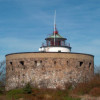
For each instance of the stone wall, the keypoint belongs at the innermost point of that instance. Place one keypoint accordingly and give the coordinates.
(47, 70)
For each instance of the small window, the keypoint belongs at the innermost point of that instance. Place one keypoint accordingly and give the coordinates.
(41, 61)
(35, 62)
(89, 65)
(59, 50)
(81, 63)
(67, 62)
(22, 62)
(54, 62)
(10, 63)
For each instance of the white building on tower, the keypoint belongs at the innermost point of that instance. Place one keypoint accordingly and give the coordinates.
(55, 43)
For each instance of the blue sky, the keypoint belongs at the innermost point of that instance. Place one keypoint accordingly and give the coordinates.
(24, 24)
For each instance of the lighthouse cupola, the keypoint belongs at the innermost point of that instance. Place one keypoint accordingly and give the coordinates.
(55, 43)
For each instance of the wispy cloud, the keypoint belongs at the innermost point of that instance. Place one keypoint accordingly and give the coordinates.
(25, 23)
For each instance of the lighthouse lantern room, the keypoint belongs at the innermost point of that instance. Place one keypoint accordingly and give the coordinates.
(55, 42)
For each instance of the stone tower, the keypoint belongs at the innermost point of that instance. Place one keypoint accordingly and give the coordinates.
(52, 67)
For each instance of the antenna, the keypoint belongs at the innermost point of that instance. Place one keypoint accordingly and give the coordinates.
(54, 27)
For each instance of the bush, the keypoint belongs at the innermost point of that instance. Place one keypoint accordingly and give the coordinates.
(81, 88)
(68, 86)
(85, 88)
(95, 92)
(27, 89)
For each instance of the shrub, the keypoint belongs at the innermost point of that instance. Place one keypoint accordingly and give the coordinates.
(95, 92)
(81, 88)
(27, 89)
(85, 88)
(68, 86)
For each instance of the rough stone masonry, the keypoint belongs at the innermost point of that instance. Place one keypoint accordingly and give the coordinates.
(47, 70)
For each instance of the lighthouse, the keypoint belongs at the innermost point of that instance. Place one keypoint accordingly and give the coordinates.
(55, 42)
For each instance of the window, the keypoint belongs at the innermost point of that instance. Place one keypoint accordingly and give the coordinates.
(67, 62)
(35, 63)
(10, 63)
(81, 63)
(41, 61)
(54, 62)
(22, 62)
(59, 50)
(89, 65)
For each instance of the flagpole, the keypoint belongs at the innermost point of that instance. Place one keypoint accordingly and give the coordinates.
(54, 26)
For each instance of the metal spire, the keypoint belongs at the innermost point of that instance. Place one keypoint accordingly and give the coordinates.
(54, 27)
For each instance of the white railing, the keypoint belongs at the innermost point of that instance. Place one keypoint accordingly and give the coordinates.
(65, 44)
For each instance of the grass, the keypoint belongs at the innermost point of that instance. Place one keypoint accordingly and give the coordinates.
(14, 94)
(39, 94)
(91, 88)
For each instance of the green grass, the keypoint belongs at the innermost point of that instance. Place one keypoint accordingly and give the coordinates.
(16, 93)
(39, 94)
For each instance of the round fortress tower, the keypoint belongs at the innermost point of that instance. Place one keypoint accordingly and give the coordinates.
(47, 69)
(52, 67)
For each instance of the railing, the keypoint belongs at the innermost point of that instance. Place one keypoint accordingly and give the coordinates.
(65, 44)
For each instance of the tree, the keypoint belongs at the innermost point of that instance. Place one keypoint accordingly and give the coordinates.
(97, 70)
(2, 72)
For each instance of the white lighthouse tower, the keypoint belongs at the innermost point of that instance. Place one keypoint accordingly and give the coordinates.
(55, 42)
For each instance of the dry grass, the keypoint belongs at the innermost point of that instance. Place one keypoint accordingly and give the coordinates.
(41, 94)
(95, 91)
(92, 87)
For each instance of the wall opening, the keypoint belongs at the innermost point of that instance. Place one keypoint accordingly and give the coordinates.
(55, 62)
(22, 62)
(89, 65)
(35, 63)
(59, 50)
(81, 63)
(10, 63)
(67, 63)
(41, 61)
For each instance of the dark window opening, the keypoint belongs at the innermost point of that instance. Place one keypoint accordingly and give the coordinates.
(54, 62)
(11, 63)
(67, 62)
(81, 63)
(35, 62)
(89, 65)
(59, 50)
(22, 62)
(41, 61)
